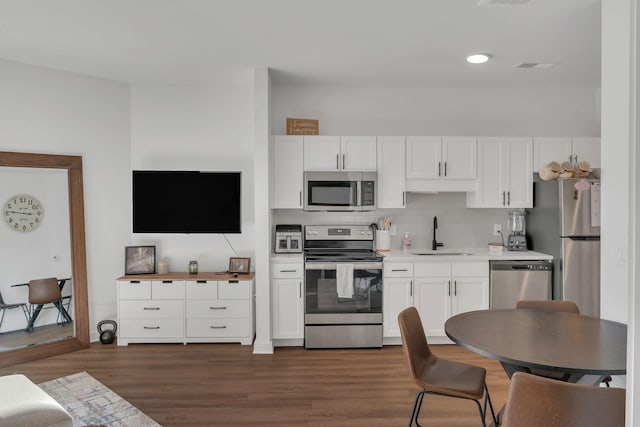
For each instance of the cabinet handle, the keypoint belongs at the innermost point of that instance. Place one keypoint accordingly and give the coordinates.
(343, 157)
(287, 271)
(201, 281)
(218, 327)
(167, 281)
(300, 198)
(445, 168)
(234, 281)
(300, 289)
(217, 308)
(152, 327)
(439, 167)
(151, 308)
(135, 281)
(338, 161)
(503, 195)
(404, 269)
(509, 198)
(411, 288)
(455, 288)
(449, 292)
(403, 194)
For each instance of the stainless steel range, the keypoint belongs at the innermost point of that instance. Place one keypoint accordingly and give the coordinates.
(343, 287)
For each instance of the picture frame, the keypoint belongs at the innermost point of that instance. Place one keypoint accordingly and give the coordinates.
(139, 260)
(239, 265)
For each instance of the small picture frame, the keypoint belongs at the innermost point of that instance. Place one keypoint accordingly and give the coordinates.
(139, 260)
(239, 265)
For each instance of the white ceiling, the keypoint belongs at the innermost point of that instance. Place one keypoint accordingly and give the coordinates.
(375, 42)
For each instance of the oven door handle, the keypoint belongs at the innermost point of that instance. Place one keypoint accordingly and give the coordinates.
(334, 265)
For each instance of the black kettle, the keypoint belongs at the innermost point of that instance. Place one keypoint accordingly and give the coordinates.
(109, 335)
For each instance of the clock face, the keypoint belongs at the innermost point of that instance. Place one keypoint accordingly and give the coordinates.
(23, 213)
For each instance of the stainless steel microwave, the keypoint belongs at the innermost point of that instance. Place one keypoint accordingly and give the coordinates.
(340, 191)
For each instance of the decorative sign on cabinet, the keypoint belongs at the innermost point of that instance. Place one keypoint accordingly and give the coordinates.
(184, 308)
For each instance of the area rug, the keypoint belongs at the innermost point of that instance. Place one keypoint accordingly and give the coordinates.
(91, 403)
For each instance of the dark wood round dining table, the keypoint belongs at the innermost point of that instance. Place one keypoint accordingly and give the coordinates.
(534, 339)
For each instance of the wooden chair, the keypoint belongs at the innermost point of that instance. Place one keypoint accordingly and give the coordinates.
(439, 376)
(4, 307)
(558, 306)
(534, 401)
(45, 291)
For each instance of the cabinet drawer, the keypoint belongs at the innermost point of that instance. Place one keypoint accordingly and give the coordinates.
(217, 328)
(470, 269)
(432, 269)
(397, 269)
(230, 290)
(151, 328)
(151, 309)
(217, 309)
(287, 271)
(135, 289)
(207, 289)
(167, 289)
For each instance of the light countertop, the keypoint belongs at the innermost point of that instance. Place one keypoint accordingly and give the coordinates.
(449, 255)
(445, 255)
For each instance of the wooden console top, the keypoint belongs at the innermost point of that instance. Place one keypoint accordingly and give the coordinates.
(205, 275)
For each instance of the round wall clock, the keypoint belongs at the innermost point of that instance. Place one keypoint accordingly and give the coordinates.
(23, 213)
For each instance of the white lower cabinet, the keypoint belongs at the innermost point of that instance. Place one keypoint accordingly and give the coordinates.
(161, 311)
(398, 295)
(438, 290)
(287, 298)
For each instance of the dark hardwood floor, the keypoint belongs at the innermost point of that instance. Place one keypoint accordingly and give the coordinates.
(227, 385)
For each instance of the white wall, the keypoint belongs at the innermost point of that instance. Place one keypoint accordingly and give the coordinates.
(400, 110)
(56, 112)
(195, 128)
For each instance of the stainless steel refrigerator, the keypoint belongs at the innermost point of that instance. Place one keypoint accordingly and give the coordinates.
(565, 222)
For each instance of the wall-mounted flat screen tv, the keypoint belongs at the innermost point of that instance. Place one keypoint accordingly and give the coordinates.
(186, 202)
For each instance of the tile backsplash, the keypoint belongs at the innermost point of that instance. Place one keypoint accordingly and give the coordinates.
(458, 226)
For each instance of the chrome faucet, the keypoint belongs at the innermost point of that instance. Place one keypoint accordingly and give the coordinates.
(434, 243)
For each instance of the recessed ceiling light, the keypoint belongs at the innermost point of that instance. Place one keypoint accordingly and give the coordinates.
(478, 58)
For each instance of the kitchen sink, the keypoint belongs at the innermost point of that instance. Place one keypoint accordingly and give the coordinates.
(431, 253)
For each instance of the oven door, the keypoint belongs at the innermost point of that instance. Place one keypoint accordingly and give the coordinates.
(326, 301)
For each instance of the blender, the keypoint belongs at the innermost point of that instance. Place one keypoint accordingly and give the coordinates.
(517, 239)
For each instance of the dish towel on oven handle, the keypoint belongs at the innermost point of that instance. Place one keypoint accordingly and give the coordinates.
(344, 280)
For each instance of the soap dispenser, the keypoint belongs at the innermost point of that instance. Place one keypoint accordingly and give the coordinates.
(406, 243)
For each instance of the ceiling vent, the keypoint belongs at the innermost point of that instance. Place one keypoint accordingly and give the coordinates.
(503, 2)
(531, 65)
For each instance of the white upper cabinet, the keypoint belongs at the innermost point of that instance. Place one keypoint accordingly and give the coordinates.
(436, 163)
(587, 149)
(286, 171)
(566, 149)
(335, 153)
(391, 172)
(505, 174)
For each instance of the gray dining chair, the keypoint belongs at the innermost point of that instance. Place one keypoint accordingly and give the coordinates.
(6, 306)
(535, 401)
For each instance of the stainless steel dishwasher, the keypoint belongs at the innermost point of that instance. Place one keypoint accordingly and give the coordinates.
(511, 281)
